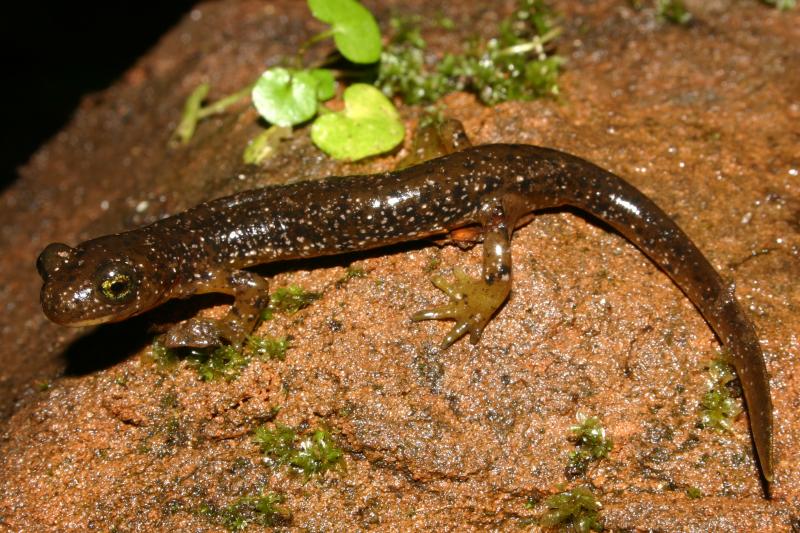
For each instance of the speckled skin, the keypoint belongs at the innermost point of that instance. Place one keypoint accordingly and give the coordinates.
(493, 187)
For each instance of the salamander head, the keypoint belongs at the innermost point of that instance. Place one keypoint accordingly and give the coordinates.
(99, 281)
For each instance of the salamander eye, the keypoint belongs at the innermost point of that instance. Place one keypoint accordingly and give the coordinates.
(116, 283)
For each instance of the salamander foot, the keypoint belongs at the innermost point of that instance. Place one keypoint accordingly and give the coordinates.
(472, 304)
(201, 333)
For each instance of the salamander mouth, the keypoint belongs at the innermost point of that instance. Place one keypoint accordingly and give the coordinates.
(88, 322)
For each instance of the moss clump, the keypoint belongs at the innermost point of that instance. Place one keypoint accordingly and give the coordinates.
(352, 272)
(673, 11)
(310, 456)
(317, 454)
(720, 405)
(264, 510)
(277, 444)
(719, 409)
(289, 300)
(162, 356)
(592, 445)
(694, 493)
(514, 65)
(572, 510)
(220, 362)
(273, 348)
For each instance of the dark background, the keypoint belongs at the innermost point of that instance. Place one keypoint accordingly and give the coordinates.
(52, 53)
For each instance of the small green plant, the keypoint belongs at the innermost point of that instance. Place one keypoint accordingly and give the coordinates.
(515, 65)
(518, 64)
(353, 29)
(224, 361)
(719, 406)
(694, 493)
(573, 510)
(265, 509)
(317, 454)
(673, 11)
(162, 356)
(719, 409)
(277, 444)
(783, 5)
(287, 96)
(352, 272)
(289, 300)
(273, 348)
(369, 124)
(311, 456)
(194, 111)
(265, 144)
(215, 363)
(592, 444)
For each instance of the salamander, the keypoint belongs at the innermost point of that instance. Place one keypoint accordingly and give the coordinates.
(492, 189)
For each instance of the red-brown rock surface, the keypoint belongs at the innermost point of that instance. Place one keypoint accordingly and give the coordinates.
(705, 119)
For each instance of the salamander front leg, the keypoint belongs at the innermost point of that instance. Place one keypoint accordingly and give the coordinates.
(473, 302)
(251, 296)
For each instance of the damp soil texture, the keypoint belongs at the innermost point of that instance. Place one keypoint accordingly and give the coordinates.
(704, 117)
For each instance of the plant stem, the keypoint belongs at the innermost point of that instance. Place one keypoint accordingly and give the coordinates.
(223, 103)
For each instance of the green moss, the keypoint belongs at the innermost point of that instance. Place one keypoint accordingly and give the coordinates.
(694, 493)
(592, 445)
(514, 65)
(720, 371)
(719, 405)
(222, 361)
(310, 456)
(289, 300)
(162, 356)
(264, 509)
(783, 5)
(215, 363)
(352, 272)
(673, 11)
(572, 510)
(719, 409)
(277, 444)
(273, 348)
(317, 454)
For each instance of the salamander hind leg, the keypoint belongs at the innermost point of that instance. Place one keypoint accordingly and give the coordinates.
(250, 298)
(473, 302)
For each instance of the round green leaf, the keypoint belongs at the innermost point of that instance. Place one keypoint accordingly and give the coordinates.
(368, 125)
(355, 31)
(286, 98)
